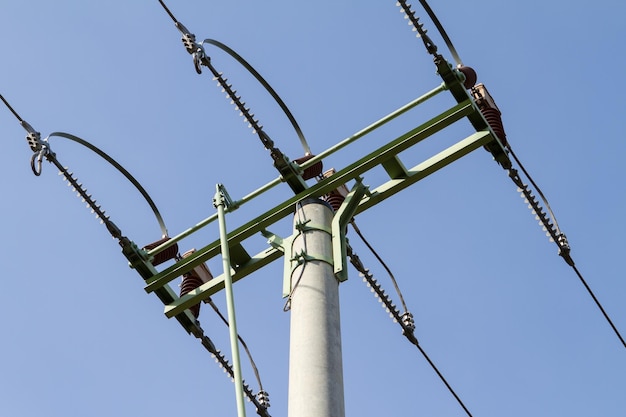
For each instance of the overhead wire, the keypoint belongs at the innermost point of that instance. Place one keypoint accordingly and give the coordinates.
(261, 401)
(405, 320)
(382, 262)
(294, 285)
(243, 344)
(11, 109)
(122, 170)
(44, 151)
(258, 400)
(555, 234)
(200, 59)
(550, 225)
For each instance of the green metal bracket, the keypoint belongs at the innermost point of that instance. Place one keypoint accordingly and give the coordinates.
(339, 226)
(283, 245)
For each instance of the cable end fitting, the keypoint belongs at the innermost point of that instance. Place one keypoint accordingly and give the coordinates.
(564, 249)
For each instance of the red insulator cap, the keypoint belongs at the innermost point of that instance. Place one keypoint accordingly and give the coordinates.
(470, 76)
(312, 171)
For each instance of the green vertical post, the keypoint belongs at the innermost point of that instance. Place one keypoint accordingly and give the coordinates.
(219, 202)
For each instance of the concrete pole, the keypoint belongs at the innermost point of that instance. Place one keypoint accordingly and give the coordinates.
(315, 360)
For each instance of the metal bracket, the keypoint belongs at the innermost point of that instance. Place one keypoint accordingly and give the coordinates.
(339, 226)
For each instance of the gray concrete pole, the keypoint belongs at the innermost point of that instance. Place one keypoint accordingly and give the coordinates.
(315, 360)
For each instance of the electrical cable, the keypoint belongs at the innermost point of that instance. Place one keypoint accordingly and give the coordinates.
(550, 226)
(545, 200)
(418, 27)
(267, 87)
(6, 103)
(122, 170)
(405, 320)
(243, 343)
(201, 59)
(221, 360)
(555, 235)
(41, 149)
(287, 305)
(606, 316)
(294, 286)
(382, 262)
(442, 32)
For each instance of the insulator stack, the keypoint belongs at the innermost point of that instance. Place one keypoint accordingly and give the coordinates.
(312, 171)
(389, 306)
(240, 106)
(193, 279)
(336, 197)
(190, 282)
(164, 255)
(335, 200)
(418, 27)
(537, 210)
(494, 118)
(552, 231)
(490, 111)
(228, 369)
(81, 192)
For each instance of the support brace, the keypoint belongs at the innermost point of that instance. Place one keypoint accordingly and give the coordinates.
(339, 226)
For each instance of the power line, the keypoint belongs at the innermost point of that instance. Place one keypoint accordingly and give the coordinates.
(405, 320)
(492, 116)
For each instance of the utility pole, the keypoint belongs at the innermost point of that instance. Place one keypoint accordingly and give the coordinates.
(315, 359)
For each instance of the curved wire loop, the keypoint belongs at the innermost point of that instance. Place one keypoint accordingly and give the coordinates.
(121, 169)
(267, 87)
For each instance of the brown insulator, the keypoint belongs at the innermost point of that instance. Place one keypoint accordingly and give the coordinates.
(165, 255)
(470, 76)
(312, 171)
(191, 281)
(335, 200)
(494, 118)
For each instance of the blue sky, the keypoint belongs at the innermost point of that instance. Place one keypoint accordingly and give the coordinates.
(503, 317)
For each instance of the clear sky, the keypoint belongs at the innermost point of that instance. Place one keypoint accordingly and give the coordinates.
(504, 318)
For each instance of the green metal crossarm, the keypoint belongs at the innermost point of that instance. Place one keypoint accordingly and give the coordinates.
(424, 169)
(203, 292)
(349, 173)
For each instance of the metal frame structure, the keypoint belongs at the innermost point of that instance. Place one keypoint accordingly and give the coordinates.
(386, 156)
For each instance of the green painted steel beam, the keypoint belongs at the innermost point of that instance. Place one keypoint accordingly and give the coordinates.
(203, 292)
(424, 169)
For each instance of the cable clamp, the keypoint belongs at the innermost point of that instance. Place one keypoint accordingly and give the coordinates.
(303, 257)
(564, 249)
(307, 226)
(196, 50)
